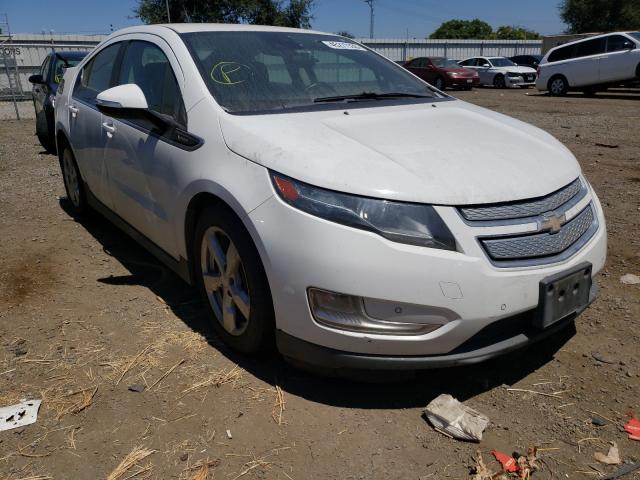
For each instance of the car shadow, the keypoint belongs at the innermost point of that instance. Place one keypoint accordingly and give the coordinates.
(371, 390)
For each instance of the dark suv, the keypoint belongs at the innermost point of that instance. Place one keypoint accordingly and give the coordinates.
(45, 85)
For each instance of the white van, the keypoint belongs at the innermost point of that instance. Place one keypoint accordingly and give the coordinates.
(591, 64)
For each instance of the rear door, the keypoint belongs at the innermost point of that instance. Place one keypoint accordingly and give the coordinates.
(143, 159)
(621, 60)
(87, 134)
(417, 67)
(585, 68)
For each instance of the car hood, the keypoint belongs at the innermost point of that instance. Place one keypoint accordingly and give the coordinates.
(520, 69)
(447, 153)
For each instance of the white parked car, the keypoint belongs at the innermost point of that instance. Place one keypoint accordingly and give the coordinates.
(326, 200)
(591, 64)
(501, 72)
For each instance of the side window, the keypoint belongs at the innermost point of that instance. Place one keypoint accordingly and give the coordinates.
(590, 47)
(146, 65)
(563, 53)
(618, 43)
(96, 74)
(467, 63)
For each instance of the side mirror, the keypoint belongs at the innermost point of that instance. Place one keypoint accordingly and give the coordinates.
(629, 45)
(127, 100)
(36, 79)
(122, 98)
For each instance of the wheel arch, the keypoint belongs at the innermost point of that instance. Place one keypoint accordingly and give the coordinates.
(205, 198)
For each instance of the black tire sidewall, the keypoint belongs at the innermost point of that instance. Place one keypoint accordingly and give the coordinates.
(499, 81)
(564, 90)
(260, 332)
(83, 206)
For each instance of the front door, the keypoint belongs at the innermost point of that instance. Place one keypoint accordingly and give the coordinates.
(140, 156)
(621, 60)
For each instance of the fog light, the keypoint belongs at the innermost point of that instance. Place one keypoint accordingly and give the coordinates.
(347, 312)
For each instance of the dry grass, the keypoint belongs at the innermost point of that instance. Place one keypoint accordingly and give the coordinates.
(201, 473)
(218, 379)
(131, 461)
(278, 406)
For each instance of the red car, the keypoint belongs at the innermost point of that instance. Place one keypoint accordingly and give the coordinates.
(442, 72)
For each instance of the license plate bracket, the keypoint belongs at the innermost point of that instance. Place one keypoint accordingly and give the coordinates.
(563, 294)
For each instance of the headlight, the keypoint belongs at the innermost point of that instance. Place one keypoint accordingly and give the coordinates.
(410, 223)
(453, 74)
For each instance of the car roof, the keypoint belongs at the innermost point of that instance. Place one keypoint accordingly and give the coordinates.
(214, 27)
(591, 37)
(70, 55)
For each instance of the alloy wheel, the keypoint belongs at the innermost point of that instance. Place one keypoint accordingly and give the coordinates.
(557, 86)
(71, 178)
(439, 83)
(225, 281)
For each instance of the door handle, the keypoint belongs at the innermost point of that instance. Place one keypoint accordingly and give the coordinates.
(109, 128)
(74, 110)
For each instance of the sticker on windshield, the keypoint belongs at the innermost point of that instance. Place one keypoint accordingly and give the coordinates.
(343, 45)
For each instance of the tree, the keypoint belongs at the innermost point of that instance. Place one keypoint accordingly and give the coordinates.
(505, 32)
(582, 16)
(293, 13)
(463, 29)
(346, 34)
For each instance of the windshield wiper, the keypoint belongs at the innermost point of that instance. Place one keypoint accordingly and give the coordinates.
(369, 96)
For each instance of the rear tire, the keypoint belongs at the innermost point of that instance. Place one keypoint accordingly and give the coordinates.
(499, 81)
(73, 184)
(558, 86)
(232, 282)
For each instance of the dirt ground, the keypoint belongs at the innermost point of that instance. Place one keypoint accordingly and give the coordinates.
(85, 314)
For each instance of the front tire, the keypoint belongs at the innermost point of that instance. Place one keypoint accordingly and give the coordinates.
(558, 86)
(499, 81)
(73, 184)
(440, 83)
(232, 281)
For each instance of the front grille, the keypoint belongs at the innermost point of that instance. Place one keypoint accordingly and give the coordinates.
(572, 234)
(526, 208)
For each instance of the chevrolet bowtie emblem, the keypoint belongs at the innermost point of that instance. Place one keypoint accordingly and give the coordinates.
(552, 222)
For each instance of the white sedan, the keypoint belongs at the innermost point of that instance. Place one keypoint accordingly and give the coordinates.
(325, 200)
(501, 72)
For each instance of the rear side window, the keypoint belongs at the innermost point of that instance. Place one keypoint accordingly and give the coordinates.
(590, 47)
(617, 43)
(562, 53)
(96, 74)
(146, 65)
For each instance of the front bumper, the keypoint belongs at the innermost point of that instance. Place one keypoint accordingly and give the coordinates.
(300, 251)
(519, 81)
(462, 82)
(499, 338)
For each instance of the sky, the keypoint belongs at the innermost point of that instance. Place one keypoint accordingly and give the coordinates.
(393, 18)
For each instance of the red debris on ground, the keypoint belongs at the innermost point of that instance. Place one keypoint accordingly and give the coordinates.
(633, 429)
(509, 464)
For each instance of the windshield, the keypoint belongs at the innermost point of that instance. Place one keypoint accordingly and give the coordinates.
(445, 63)
(252, 71)
(501, 62)
(60, 66)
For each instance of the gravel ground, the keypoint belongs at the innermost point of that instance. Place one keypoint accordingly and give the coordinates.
(25, 109)
(85, 314)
